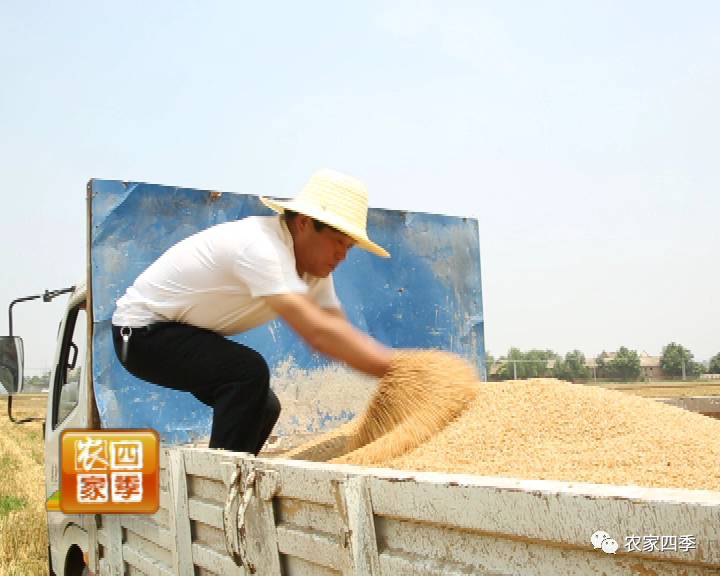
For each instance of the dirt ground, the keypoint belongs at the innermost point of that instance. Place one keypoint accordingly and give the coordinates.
(667, 389)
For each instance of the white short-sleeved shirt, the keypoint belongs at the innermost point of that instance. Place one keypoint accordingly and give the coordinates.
(216, 278)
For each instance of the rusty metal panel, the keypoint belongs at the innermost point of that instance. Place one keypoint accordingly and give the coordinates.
(428, 295)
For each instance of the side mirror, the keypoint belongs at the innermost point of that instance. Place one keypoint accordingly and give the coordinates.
(11, 364)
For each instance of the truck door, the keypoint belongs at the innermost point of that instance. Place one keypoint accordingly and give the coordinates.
(67, 408)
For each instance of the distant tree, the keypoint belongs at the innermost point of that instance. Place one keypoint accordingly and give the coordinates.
(674, 356)
(530, 364)
(572, 367)
(601, 369)
(539, 363)
(489, 363)
(714, 366)
(489, 359)
(37, 383)
(508, 369)
(624, 366)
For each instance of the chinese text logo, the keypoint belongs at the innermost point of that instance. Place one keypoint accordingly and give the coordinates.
(110, 471)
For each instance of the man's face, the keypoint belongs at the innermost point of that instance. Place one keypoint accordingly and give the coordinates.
(319, 253)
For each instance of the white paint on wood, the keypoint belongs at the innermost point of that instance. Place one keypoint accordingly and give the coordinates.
(361, 525)
(310, 546)
(309, 481)
(294, 566)
(304, 514)
(405, 566)
(261, 534)
(207, 488)
(453, 524)
(145, 564)
(148, 548)
(179, 518)
(424, 545)
(214, 562)
(114, 550)
(206, 512)
(566, 519)
(149, 530)
(93, 552)
(206, 462)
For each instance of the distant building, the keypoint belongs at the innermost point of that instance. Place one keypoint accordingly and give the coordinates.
(650, 365)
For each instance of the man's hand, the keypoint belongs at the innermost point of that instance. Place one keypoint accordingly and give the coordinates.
(331, 334)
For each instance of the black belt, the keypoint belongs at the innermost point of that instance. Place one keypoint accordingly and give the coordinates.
(137, 329)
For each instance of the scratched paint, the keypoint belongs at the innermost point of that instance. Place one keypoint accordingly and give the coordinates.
(428, 295)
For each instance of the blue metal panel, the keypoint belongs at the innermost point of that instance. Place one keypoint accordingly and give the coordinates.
(428, 295)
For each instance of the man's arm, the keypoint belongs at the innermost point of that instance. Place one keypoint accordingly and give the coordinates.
(336, 312)
(331, 334)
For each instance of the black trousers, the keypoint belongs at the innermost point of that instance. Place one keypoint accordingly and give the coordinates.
(231, 378)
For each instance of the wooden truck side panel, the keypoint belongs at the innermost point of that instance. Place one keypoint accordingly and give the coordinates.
(316, 519)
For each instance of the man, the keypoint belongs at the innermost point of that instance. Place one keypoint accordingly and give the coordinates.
(169, 327)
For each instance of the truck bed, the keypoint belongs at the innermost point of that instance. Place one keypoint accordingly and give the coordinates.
(306, 518)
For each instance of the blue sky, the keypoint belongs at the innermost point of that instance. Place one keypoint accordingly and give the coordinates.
(583, 136)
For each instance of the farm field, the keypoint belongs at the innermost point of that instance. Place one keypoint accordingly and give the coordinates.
(23, 525)
(669, 389)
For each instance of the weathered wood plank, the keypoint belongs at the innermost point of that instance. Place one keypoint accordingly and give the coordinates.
(207, 462)
(399, 565)
(561, 517)
(412, 548)
(259, 525)
(210, 560)
(310, 546)
(294, 566)
(309, 481)
(209, 536)
(161, 517)
(178, 517)
(113, 537)
(143, 563)
(308, 515)
(206, 512)
(207, 489)
(148, 530)
(92, 522)
(360, 518)
(148, 548)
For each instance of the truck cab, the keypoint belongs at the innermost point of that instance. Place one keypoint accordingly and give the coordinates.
(71, 405)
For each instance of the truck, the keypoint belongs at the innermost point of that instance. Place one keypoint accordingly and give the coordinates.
(223, 512)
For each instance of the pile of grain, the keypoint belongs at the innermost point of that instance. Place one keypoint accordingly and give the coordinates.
(548, 429)
(430, 413)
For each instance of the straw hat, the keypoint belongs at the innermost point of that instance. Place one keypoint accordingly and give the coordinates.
(338, 200)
